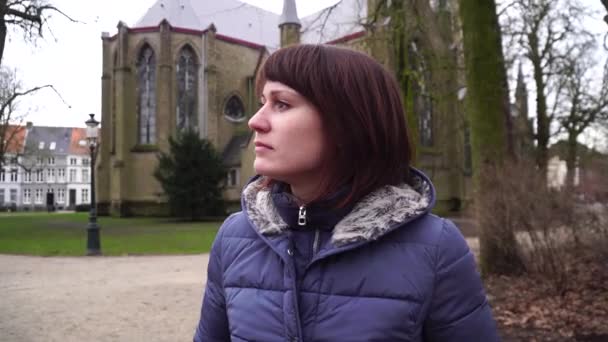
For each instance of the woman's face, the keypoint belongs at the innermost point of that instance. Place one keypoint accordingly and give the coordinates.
(289, 140)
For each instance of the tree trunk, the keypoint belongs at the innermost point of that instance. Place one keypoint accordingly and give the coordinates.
(487, 99)
(2, 28)
(571, 155)
(542, 118)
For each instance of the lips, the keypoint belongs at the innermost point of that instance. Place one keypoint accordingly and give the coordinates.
(262, 145)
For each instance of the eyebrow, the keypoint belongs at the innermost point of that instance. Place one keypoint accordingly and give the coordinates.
(276, 92)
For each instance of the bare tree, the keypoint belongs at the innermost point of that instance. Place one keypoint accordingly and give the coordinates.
(10, 94)
(585, 103)
(546, 32)
(30, 16)
(605, 3)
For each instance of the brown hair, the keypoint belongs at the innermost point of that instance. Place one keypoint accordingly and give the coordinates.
(361, 112)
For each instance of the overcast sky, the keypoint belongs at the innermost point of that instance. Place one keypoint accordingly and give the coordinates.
(69, 56)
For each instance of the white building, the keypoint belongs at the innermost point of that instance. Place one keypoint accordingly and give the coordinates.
(52, 169)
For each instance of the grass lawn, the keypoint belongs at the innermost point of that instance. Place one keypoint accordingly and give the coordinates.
(65, 234)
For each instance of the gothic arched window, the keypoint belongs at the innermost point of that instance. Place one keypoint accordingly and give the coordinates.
(113, 95)
(234, 109)
(187, 85)
(146, 96)
(423, 104)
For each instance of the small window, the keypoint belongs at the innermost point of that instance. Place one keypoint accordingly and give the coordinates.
(51, 160)
(38, 196)
(14, 175)
(73, 161)
(61, 175)
(234, 109)
(41, 145)
(61, 196)
(82, 142)
(72, 175)
(52, 146)
(232, 178)
(27, 196)
(39, 176)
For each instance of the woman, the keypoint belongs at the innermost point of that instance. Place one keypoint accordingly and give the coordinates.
(336, 241)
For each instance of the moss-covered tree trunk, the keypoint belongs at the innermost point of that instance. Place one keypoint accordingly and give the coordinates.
(488, 111)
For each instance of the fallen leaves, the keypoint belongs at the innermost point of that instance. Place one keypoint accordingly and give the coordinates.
(528, 308)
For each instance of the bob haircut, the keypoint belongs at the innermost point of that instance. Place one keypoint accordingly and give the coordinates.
(361, 112)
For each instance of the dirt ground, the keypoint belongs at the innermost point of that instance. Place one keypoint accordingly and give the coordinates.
(102, 299)
(143, 298)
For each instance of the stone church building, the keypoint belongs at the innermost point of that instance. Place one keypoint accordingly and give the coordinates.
(192, 64)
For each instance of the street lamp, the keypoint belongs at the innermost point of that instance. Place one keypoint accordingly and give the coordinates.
(93, 244)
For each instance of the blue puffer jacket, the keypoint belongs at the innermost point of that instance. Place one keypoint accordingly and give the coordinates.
(383, 270)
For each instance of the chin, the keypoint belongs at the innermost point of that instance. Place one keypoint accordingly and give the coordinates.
(270, 172)
(264, 170)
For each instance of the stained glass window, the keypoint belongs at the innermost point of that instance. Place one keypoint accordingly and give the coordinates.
(187, 85)
(146, 91)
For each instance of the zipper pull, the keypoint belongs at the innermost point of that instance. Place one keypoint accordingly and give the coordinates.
(302, 216)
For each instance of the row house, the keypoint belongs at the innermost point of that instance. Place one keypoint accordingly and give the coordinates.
(10, 189)
(50, 167)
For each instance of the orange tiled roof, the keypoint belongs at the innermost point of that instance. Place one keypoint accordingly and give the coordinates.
(78, 135)
(16, 138)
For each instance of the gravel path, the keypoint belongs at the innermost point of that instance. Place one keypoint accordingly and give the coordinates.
(144, 298)
(103, 299)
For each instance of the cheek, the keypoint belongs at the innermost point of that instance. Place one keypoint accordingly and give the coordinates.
(312, 149)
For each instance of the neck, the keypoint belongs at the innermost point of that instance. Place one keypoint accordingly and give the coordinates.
(304, 193)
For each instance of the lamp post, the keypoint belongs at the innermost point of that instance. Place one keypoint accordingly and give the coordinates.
(93, 244)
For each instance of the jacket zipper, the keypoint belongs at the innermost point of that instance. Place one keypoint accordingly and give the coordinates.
(302, 216)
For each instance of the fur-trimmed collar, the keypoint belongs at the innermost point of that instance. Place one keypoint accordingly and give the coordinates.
(372, 217)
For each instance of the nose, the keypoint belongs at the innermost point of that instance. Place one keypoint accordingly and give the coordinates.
(258, 122)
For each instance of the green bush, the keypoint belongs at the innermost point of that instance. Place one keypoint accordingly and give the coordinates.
(83, 208)
(191, 175)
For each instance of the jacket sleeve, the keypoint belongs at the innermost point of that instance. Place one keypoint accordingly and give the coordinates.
(459, 310)
(213, 323)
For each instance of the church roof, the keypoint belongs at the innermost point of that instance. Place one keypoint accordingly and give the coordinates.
(239, 20)
(230, 17)
(177, 12)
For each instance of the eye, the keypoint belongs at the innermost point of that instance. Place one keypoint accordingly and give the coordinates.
(280, 105)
